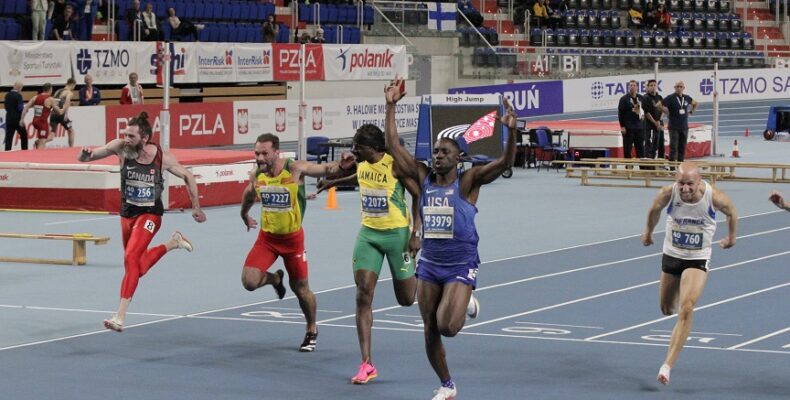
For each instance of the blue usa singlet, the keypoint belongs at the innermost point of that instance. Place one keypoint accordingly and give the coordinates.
(448, 225)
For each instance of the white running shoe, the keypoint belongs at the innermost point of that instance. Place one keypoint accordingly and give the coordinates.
(444, 393)
(473, 308)
(113, 324)
(181, 241)
(663, 374)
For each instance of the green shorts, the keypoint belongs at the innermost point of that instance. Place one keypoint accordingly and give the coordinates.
(372, 245)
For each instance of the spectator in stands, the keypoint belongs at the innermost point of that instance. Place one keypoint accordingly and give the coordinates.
(179, 27)
(556, 14)
(39, 18)
(319, 36)
(471, 13)
(150, 26)
(631, 114)
(663, 18)
(305, 38)
(13, 113)
(635, 17)
(104, 9)
(61, 30)
(650, 17)
(133, 15)
(89, 94)
(132, 93)
(270, 30)
(541, 13)
(86, 10)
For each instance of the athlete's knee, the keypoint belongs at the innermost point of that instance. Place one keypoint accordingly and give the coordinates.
(365, 295)
(300, 288)
(406, 300)
(686, 309)
(248, 284)
(450, 329)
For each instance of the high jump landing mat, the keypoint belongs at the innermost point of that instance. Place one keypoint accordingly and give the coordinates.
(53, 179)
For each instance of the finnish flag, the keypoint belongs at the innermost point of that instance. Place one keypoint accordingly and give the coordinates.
(441, 16)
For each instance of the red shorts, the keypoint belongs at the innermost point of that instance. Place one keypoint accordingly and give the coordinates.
(42, 128)
(290, 247)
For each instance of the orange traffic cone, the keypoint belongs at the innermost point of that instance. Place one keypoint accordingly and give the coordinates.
(331, 200)
(735, 151)
(747, 132)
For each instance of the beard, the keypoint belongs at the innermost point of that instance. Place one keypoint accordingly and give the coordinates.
(131, 152)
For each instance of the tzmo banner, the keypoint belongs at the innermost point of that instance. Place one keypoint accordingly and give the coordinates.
(368, 62)
(34, 63)
(731, 85)
(110, 62)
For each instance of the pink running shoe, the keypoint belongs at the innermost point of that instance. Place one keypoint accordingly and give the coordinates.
(366, 372)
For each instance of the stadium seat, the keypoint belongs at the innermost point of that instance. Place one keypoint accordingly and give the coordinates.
(697, 40)
(614, 18)
(570, 19)
(573, 37)
(596, 38)
(561, 37)
(584, 37)
(608, 38)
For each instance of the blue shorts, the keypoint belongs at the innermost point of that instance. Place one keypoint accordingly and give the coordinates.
(444, 274)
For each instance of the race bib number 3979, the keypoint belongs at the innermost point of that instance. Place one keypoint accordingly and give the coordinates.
(437, 222)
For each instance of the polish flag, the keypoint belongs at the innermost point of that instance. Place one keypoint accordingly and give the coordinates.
(482, 128)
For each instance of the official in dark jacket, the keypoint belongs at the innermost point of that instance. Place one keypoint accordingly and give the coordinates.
(630, 114)
(13, 112)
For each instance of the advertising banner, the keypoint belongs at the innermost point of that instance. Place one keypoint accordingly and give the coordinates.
(528, 98)
(369, 62)
(286, 62)
(34, 63)
(253, 62)
(191, 124)
(110, 62)
(215, 62)
(732, 85)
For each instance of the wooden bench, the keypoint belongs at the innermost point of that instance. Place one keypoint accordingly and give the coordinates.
(78, 254)
(645, 178)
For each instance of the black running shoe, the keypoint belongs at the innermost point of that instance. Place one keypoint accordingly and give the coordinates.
(280, 289)
(309, 342)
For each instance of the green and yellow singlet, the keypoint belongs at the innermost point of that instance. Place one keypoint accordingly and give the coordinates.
(382, 196)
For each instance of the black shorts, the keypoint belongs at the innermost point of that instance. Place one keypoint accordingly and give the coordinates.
(55, 120)
(676, 266)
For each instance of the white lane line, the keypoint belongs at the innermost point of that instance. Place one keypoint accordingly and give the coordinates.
(71, 221)
(354, 315)
(728, 300)
(83, 334)
(567, 326)
(38, 308)
(698, 333)
(624, 238)
(755, 340)
(595, 296)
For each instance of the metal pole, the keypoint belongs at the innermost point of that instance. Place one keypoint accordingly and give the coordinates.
(716, 110)
(301, 149)
(164, 116)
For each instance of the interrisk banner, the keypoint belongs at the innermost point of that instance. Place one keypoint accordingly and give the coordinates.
(368, 62)
(34, 63)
